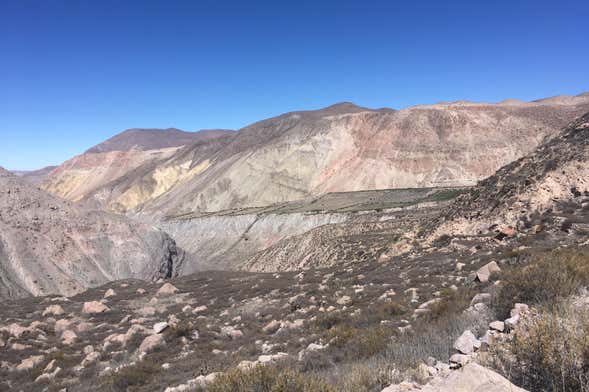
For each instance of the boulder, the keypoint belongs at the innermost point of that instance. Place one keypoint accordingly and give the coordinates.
(152, 343)
(94, 307)
(167, 289)
(471, 378)
(484, 273)
(497, 326)
(30, 362)
(467, 343)
(53, 310)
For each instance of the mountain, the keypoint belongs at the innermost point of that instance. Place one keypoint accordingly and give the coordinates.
(341, 148)
(51, 246)
(89, 172)
(154, 139)
(34, 176)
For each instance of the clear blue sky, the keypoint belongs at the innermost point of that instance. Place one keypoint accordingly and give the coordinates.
(73, 73)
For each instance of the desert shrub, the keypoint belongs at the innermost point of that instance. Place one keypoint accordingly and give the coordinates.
(363, 376)
(350, 343)
(549, 352)
(546, 279)
(180, 330)
(326, 321)
(451, 303)
(127, 377)
(383, 311)
(267, 379)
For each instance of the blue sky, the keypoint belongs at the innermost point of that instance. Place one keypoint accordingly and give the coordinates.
(73, 73)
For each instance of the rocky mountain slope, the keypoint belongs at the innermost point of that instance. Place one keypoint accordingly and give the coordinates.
(51, 246)
(154, 139)
(116, 157)
(35, 176)
(553, 179)
(336, 149)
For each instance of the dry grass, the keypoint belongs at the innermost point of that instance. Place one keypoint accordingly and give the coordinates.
(550, 351)
(267, 379)
(547, 279)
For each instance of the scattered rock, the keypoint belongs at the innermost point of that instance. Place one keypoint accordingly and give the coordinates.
(167, 289)
(467, 343)
(94, 307)
(160, 327)
(484, 273)
(152, 343)
(53, 310)
(109, 293)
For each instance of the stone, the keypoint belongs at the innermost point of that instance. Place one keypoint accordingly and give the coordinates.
(109, 293)
(68, 337)
(484, 273)
(471, 377)
(94, 307)
(91, 358)
(481, 298)
(273, 358)
(429, 303)
(511, 322)
(152, 343)
(519, 309)
(53, 310)
(345, 300)
(48, 377)
(199, 309)
(167, 289)
(30, 362)
(497, 326)
(459, 359)
(467, 343)
(160, 327)
(272, 327)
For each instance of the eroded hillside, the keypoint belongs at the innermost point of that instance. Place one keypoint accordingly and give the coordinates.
(340, 148)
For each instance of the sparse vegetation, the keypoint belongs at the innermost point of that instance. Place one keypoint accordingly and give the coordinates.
(550, 351)
(547, 279)
(268, 379)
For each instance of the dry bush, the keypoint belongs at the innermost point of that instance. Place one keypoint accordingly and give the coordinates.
(131, 376)
(549, 352)
(267, 379)
(546, 279)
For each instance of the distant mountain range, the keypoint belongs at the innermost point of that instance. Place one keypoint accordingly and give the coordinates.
(302, 154)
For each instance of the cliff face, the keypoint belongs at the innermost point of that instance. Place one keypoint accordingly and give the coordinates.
(340, 148)
(51, 246)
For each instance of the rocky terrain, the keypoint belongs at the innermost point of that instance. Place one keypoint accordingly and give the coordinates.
(458, 302)
(50, 246)
(297, 155)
